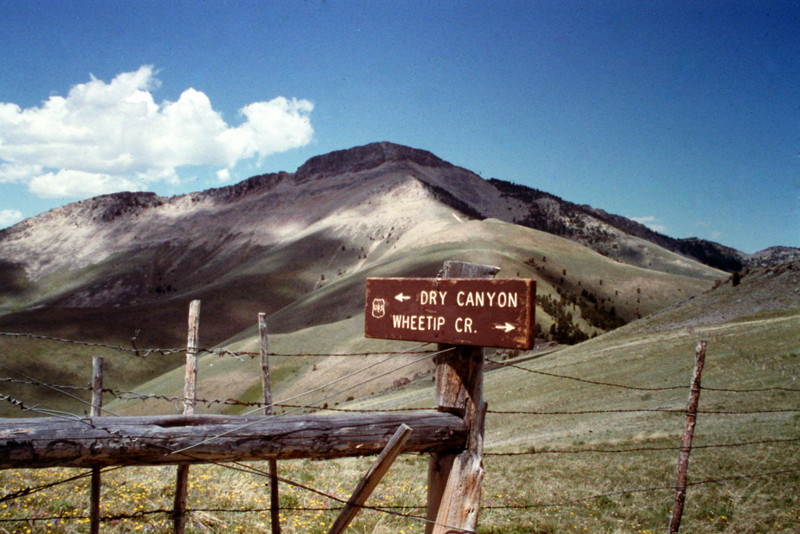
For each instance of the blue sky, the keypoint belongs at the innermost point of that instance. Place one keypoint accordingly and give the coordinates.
(684, 115)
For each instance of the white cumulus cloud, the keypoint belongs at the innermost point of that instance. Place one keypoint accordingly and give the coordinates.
(111, 136)
(652, 223)
(9, 217)
(72, 183)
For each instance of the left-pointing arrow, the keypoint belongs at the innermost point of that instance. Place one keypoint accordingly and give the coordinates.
(508, 327)
(401, 297)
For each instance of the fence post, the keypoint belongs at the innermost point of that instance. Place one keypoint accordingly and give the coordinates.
(189, 401)
(97, 405)
(371, 480)
(686, 439)
(454, 480)
(274, 502)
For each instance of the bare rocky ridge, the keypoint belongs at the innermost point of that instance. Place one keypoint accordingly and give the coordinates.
(78, 234)
(299, 246)
(773, 256)
(341, 213)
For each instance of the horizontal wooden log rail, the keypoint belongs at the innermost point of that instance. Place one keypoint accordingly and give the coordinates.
(181, 439)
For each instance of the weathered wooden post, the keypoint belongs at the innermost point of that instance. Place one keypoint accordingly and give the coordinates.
(455, 480)
(189, 401)
(370, 481)
(463, 311)
(686, 438)
(97, 405)
(274, 503)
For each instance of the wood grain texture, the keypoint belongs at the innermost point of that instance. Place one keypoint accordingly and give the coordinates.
(152, 440)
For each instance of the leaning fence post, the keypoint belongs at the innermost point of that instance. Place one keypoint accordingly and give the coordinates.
(97, 405)
(371, 480)
(274, 506)
(686, 439)
(454, 480)
(189, 401)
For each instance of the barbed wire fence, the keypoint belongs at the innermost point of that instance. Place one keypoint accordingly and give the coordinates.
(338, 503)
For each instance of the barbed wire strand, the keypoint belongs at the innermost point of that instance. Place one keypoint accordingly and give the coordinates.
(354, 410)
(644, 410)
(54, 388)
(37, 383)
(74, 417)
(350, 375)
(43, 411)
(571, 502)
(749, 390)
(336, 394)
(251, 469)
(36, 489)
(388, 510)
(164, 352)
(181, 350)
(586, 381)
(642, 449)
(637, 388)
(133, 395)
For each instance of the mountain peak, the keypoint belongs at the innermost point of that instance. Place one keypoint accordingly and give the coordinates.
(365, 157)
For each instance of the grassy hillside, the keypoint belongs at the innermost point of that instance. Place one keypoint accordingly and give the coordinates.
(315, 284)
(571, 299)
(299, 248)
(578, 439)
(553, 413)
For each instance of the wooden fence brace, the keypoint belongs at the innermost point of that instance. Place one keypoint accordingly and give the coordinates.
(97, 405)
(42, 442)
(189, 401)
(274, 497)
(686, 438)
(371, 480)
(454, 480)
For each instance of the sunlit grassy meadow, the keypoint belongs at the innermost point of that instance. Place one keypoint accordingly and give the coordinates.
(540, 478)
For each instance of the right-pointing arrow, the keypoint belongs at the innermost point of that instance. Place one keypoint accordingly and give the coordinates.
(508, 327)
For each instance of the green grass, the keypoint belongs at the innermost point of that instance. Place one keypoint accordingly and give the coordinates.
(551, 487)
(283, 282)
(59, 364)
(545, 490)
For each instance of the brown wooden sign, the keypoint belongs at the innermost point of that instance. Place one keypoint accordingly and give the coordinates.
(454, 311)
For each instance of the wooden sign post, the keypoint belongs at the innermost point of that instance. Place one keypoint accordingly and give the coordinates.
(464, 311)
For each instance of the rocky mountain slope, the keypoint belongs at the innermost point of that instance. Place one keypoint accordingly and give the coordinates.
(338, 213)
(773, 256)
(299, 246)
(83, 233)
